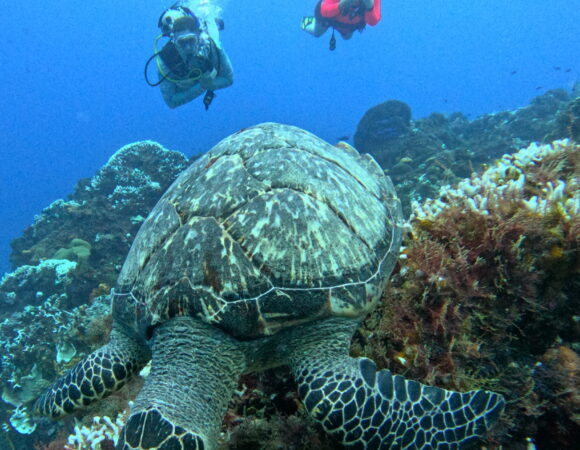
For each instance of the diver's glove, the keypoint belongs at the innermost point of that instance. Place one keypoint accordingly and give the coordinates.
(206, 79)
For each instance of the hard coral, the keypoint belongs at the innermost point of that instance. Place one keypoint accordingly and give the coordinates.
(487, 283)
(101, 434)
(421, 155)
(76, 250)
(99, 221)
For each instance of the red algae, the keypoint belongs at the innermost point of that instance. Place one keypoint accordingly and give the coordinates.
(486, 293)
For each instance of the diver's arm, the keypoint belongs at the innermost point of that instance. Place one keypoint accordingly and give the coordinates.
(373, 16)
(225, 76)
(175, 96)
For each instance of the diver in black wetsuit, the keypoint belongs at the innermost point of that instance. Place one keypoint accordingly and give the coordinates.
(192, 61)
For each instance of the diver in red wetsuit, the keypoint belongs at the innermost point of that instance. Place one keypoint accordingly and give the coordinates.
(344, 16)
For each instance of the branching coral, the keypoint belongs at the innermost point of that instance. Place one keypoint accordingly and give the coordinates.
(101, 434)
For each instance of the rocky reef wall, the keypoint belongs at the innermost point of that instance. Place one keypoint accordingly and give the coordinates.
(424, 154)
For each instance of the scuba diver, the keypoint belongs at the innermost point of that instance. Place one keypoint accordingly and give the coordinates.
(192, 61)
(344, 16)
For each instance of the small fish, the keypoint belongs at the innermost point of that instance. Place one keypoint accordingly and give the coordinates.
(343, 138)
(557, 68)
(513, 72)
(568, 70)
(539, 87)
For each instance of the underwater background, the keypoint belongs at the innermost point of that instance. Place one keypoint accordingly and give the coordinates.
(74, 91)
(438, 90)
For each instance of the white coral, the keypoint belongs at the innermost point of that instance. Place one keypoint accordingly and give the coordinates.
(506, 179)
(101, 429)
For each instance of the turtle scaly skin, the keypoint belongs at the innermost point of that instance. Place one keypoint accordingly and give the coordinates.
(268, 250)
(98, 375)
(359, 404)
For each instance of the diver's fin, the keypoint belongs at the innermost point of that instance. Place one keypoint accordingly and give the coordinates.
(308, 23)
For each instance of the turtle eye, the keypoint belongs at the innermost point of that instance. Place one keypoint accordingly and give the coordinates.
(149, 332)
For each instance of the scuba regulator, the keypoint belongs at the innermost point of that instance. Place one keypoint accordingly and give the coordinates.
(187, 54)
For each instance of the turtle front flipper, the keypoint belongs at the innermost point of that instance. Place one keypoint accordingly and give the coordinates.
(194, 372)
(102, 372)
(371, 409)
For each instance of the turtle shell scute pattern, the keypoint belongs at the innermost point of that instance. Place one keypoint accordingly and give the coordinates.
(272, 228)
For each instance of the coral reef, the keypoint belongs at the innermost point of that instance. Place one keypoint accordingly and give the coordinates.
(484, 297)
(486, 294)
(76, 250)
(54, 305)
(30, 285)
(422, 155)
(569, 120)
(38, 342)
(96, 226)
(101, 434)
(266, 413)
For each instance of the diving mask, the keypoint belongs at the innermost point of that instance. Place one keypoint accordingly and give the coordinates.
(186, 37)
(190, 46)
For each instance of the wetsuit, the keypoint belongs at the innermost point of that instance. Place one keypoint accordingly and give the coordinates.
(176, 92)
(215, 72)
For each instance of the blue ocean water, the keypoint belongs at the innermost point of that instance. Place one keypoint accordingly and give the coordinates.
(73, 90)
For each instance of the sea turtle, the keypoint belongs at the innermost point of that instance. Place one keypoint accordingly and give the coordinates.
(268, 250)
